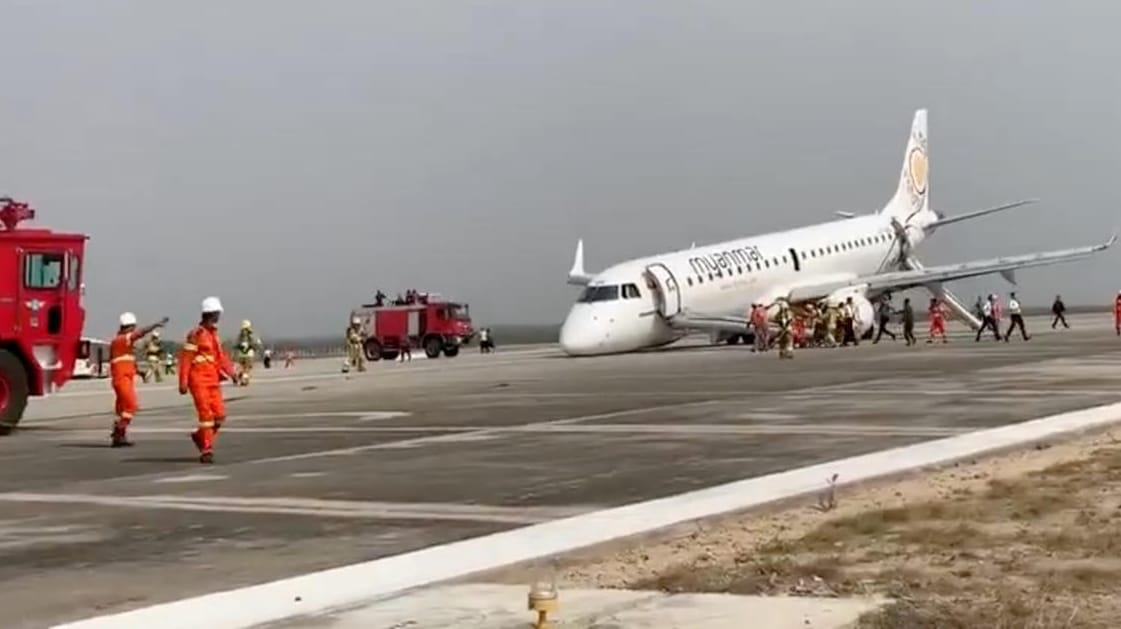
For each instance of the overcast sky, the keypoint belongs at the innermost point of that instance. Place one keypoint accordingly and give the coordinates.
(292, 156)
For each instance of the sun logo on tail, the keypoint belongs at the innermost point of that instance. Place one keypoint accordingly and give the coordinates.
(918, 172)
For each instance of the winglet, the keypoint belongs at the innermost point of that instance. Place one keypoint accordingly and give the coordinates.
(577, 275)
(1112, 239)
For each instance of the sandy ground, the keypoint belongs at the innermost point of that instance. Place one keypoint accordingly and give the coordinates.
(1025, 539)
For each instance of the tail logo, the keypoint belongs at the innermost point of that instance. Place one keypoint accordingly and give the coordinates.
(918, 170)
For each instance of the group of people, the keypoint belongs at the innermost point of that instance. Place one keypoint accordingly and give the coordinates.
(410, 297)
(203, 366)
(828, 324)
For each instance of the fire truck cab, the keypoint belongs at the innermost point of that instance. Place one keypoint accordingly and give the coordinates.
(436, 325)
(41, 309)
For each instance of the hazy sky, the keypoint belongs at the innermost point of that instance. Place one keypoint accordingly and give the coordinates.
(292, 156)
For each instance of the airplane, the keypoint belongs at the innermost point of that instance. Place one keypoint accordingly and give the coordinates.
(656, 300)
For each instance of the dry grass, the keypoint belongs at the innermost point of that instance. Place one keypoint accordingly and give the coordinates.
(1028, 541)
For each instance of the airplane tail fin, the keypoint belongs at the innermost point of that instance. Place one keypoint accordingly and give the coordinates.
(913, 194)
(577, 275)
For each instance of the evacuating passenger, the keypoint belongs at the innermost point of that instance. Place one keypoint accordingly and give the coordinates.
(848, 320)
(203, 364)
(122, 368)
(1058, 308)
(988, 321)
(1017, 318)
(759, 327)
(884, 318)
(908, 322)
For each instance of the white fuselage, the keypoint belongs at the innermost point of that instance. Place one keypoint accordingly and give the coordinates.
(622, 308)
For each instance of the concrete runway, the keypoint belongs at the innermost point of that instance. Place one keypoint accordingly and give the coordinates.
(316, 470)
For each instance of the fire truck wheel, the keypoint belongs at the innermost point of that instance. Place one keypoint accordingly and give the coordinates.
(432, 346)
(451, 350)
(13, 391)
(373, 350)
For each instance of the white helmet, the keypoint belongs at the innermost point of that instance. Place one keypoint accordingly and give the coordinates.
(355, 320)
(128, 318)
(211, 304)
(156, 333)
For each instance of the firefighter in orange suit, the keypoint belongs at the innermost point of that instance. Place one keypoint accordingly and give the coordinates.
(203, 365)
(122, 368)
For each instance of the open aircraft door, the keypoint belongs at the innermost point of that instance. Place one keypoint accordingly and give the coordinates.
(667, 296)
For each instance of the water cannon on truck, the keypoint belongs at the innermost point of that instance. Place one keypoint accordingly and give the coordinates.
(41, 309)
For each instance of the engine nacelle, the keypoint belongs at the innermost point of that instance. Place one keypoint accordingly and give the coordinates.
(865, 314)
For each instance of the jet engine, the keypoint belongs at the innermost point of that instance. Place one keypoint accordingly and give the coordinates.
(865, 314)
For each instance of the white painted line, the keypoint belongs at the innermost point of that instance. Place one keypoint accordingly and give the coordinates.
(312, 507)
(192, 478)
(481, 433)
(348, 585)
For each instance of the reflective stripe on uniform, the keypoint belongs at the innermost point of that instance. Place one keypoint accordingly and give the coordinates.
(201, 358)
(190, 347)
(206, 424)
(125, 358)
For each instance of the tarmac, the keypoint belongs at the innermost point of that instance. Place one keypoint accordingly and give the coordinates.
(316, 469)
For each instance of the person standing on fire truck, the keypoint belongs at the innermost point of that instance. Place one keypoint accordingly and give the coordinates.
(122, 368)
(203, 364)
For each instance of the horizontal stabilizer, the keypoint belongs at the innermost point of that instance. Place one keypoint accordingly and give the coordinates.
(845, 214)
(950, 220)
(577, 275)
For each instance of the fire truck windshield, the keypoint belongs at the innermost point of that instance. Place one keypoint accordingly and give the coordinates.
(457, 312)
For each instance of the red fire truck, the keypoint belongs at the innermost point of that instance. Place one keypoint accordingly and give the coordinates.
(430, 322)
(41, 309)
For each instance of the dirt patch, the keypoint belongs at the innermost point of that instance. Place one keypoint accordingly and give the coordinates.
(1027, 539)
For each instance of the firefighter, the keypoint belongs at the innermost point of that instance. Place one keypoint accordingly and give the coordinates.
(937, 321)
(1116, 314)
(785, 323)
(169, 364)
(152, 353)
(203, 365)
(355, 340)
(246, 343)
(122, 368)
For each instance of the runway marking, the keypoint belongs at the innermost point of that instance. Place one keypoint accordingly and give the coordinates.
(307, 474)
(460, 434)
(192, 478)
(314, 507)
(482, 433)
(771, 429)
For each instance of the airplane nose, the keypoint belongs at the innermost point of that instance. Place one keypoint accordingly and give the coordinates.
(580, 335)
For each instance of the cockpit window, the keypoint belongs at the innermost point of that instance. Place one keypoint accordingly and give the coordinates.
(600, 293)
(630, 291)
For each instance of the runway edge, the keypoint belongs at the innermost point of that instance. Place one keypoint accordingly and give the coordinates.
(345, 586)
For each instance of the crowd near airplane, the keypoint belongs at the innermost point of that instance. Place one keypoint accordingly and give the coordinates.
(656, 300)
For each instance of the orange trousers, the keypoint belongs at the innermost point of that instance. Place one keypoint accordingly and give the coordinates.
(211, 409)
(127, 403)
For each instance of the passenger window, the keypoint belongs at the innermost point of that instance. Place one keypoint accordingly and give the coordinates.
(42, 270)
(689, 281)
(766, 264)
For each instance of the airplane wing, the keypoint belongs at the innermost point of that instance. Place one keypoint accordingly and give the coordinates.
(902, 280)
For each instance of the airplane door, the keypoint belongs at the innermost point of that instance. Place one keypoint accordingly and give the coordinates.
(666, 294)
